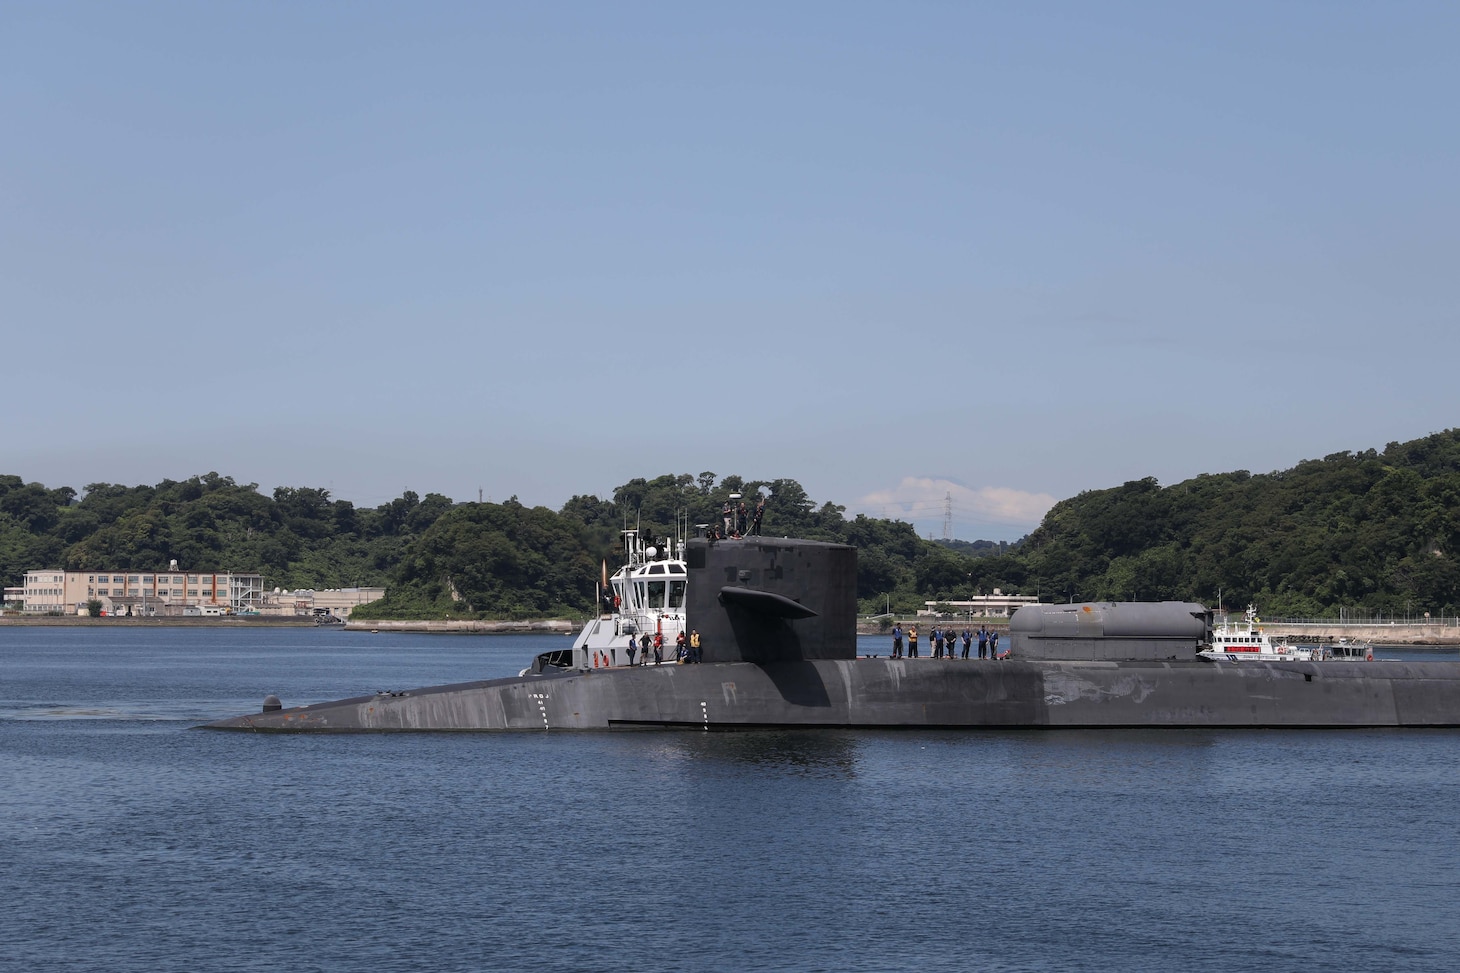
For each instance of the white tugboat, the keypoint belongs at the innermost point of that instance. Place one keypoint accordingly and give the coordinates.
(645, 596)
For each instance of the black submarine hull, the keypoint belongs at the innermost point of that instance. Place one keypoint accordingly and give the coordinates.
(777, 620)
(900, 693)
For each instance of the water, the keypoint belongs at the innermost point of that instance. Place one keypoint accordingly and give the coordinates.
(132, 842)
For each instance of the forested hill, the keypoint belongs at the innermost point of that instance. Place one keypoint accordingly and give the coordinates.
(298, 537)
(437, 557)
(1370, 530)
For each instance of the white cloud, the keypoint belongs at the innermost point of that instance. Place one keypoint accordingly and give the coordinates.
(975, 511)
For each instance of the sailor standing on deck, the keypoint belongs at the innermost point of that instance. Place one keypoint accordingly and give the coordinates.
(632, 646)
(897, 641)
(912, 641)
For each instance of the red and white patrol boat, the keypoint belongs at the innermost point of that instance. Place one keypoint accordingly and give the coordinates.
(1248, 642)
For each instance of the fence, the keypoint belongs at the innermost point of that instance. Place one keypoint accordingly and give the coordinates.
(1354, 620)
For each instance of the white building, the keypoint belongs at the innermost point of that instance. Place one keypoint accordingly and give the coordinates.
(997, 603)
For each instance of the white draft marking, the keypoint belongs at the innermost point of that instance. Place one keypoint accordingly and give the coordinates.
(541, 707)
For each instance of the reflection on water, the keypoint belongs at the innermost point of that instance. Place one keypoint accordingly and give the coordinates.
(819, 753)
(671, 850)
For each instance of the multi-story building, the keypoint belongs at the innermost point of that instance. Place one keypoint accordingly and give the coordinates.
(169, 592)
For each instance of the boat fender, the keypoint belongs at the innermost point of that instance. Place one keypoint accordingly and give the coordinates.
(1369, 657)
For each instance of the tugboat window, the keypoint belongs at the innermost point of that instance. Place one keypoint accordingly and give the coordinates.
(559, 658)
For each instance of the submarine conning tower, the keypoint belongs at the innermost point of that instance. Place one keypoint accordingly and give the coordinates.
(762, 599)
(1110, 631)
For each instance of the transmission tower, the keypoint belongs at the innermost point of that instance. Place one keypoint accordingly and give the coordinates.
(947, 516)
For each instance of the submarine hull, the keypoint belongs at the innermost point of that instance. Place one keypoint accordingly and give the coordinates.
(777, 620)
(914, 693)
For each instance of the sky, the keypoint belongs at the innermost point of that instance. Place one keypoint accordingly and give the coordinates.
(944, 262)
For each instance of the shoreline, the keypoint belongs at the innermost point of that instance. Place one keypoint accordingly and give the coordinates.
(458, 626)
(86, 621)
(1416, 635)
(550, 626)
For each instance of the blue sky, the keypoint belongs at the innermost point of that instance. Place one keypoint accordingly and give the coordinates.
(992, 254)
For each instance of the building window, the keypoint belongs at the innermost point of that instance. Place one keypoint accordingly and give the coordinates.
(104, 591)
(132, 579)
(146, 579)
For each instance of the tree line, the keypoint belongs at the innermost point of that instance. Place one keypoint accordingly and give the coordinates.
(1373, 530)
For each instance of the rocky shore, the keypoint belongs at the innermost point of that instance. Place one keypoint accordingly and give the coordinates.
(549, 626)
(158, 621)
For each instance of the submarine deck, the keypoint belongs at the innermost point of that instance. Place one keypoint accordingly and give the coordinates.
(885, 693)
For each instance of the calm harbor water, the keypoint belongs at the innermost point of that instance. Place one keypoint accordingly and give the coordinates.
(133, 842)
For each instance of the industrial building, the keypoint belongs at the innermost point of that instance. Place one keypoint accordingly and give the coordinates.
(174, 593)
(170, 592)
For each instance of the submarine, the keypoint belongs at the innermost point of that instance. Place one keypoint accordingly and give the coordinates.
(777, 626)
